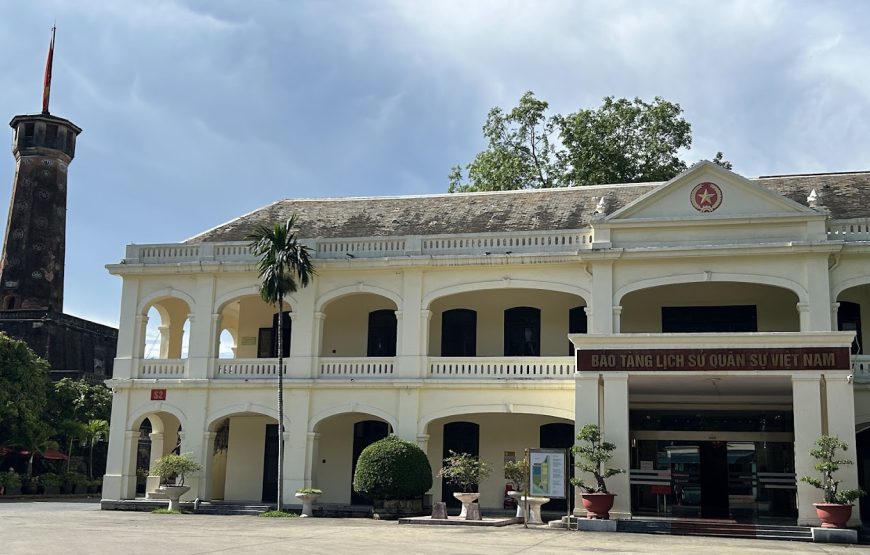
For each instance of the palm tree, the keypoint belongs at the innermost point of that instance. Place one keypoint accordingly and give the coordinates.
(284, 265)
(92, 432)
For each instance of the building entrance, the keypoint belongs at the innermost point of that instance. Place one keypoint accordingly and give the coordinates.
(714, 473)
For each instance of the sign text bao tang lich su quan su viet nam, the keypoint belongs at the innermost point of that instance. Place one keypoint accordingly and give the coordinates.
(798, 358)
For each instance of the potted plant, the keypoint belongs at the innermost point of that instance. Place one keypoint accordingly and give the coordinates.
(465, 472)
(50, 483)
(836, 509)
(308, 496)
(591, 455)
(78, 482)
(11, 482)
(172, 469)
(395, 474)
(95, 485)
(518, 473)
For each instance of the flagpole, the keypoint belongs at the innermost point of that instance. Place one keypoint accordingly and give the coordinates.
(46, 82)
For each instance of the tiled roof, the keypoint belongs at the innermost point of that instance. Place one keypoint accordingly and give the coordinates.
(843, 194)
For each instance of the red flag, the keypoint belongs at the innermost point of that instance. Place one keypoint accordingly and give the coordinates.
(46, 86)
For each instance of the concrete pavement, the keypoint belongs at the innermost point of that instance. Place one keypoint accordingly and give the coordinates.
(28, 527)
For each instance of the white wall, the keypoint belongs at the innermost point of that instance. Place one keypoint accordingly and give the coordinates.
(244, 470)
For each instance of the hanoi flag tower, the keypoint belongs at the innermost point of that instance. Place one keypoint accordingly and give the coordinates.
(34, 246)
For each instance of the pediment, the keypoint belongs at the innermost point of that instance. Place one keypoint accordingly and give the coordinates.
(707, 192)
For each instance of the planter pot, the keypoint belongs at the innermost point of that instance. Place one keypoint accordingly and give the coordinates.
(173, 493)
(518, 497)
(392, 509)
(466, 499)
(598, 505)
(308, 500)
(833, 515)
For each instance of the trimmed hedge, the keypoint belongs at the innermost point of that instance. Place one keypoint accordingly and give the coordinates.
(392, 468)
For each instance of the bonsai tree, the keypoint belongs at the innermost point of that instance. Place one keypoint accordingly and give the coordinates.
(464, 471)
(828, 464)
(392, 468)
(591, 456)
(173, 468)
(518, 473)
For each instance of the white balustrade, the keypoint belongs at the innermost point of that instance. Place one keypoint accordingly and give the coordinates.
(502, 367)
(861, 368)
(362, 248)
(855, 229)
(154, 254)
(509, 243)
(248, 368)
(163, 368)
(366, 367)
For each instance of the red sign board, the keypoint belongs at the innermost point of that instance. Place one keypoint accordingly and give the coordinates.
(158, 394)
(694, 360)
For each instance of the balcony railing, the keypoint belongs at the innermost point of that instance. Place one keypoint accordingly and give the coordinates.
(861, 368)
(248, 368)
(163, 368)
(855, 229)
(367, 367)
(502, 367)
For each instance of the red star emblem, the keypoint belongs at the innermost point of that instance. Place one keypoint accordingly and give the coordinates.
(706, 197)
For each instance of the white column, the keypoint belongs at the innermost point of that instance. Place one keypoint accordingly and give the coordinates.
(318, 321)
(116, 482)
(616, 431)
(835, 309)
(311, 460)
(617, 319)
(804, 314)
(586, 411)
(819, 294)
(304, 339)
(203, 330)
(128, 331)
(205, 478)
(153, 480)
(807, 406)
(164, 341)
(296, 453)
(841, 423)
(409, 348)
(600, 309)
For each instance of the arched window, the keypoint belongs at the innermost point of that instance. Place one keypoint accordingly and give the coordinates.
(849, 319)
(459, 333)
(382, 333)
(522, 331)
(576, 324)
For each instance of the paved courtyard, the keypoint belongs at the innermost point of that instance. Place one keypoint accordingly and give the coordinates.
(80, 527)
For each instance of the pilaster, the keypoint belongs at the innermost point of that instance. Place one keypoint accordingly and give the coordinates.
(807, 403)
(841, 423)
(616, 430)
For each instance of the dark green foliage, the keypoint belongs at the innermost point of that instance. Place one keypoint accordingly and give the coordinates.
(621, 141)
(23, 385)
(591, 454)
(464, 470)
(392, 468)
(828, 465)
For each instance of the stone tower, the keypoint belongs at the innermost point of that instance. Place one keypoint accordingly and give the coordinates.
(31, 269)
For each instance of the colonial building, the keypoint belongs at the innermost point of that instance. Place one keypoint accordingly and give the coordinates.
(711, 325)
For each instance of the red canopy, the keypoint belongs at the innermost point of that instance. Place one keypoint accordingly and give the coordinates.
(53, 454)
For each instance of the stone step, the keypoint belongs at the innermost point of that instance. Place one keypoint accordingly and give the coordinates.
(716, 529)
(218, 508)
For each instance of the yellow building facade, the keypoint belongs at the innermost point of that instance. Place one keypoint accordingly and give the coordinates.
(711, 325)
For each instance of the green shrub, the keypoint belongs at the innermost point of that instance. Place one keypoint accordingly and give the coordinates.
(278, 514)
(392, 468)
(826, 453)
(173, 468)
(10, 480)
(77, 478)
(50, 480)
(464, 470)
(310, 490)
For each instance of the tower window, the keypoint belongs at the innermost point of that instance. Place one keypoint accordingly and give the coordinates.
(29, 128)
(51, 136)
(10, 303)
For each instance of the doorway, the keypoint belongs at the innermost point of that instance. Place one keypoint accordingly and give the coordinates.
(459, 437)
(270, 465)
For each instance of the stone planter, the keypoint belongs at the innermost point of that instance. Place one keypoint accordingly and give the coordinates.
(534, 503)
(518, 497)
(598, 505)
(308, 500)
(466, 499)
(833, 515)
(392, 509)
(173, 493)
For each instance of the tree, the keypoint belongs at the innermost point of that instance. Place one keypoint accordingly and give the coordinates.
(591, 455)
(284, 265)
(94, 431)
(622, 141)
(520, 154)
(23, 383)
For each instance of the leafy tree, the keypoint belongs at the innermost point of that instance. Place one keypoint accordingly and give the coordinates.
(622, 141)
(71, 405)
(284, 264)
(520, 153)
(392, 468)
(94, 431)
(828, 464)
(464, 470)
(23, 384)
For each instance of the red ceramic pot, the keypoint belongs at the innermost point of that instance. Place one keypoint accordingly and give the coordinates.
(598, 505)
(833, 515)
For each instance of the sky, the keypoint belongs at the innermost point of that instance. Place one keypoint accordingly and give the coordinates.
(195, 112)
